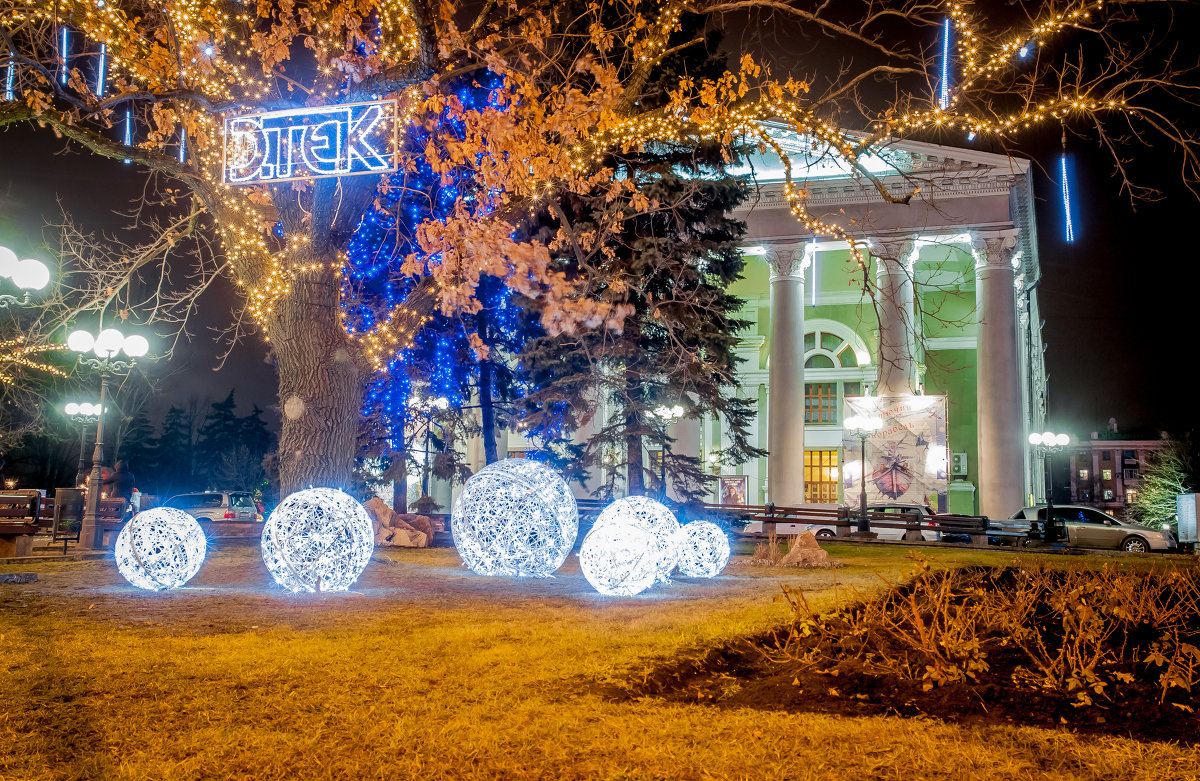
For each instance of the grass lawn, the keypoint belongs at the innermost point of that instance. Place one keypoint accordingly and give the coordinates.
(429, 671)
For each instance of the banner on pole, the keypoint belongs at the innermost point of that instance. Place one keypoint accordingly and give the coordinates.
(907, 458)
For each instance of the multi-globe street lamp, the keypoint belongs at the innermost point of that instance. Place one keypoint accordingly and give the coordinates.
(28, 275)
(86, 414)
(428, 407)
(862, 426)
(1046, 444)
(105, 346)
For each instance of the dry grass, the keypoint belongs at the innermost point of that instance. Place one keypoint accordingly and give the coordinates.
(431, 672)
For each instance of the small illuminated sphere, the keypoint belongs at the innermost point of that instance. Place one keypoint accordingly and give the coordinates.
(81, 341)
(619, 559)
(655, 518)
(8, 262)
(318, 539)
(703, 550)
(515, 517)
(160, 549)
(108, 343)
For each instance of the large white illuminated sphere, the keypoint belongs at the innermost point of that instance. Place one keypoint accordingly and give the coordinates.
(655, 518)
(619, 559)
(515, 517)
(703, 550)
(318, 539)
(160, 549)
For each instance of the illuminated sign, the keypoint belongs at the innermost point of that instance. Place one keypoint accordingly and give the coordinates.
(308, 143)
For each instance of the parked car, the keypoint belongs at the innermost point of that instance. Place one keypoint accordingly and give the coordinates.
(921, 514)
(218, 506)
(1087, 527)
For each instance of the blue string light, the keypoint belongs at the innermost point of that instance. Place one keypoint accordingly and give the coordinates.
(441, 360)
(10, 80)
(944, 96)
(182, 145)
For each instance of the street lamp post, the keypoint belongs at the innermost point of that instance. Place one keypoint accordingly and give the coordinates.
(28, 274)
(863, 426)
(427, 407)
(667, 415)
(1046, 444)
(86, 414)
(105, 345)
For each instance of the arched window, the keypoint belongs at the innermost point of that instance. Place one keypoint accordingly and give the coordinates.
(824, 349)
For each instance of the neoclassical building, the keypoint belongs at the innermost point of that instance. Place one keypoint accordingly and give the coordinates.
(951, 312)
(944, 340)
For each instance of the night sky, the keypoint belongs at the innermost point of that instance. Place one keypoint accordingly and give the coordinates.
(37, 171)
(1119, 303)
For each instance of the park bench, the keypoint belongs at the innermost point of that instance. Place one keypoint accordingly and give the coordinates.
(63, 514)
(18, 523)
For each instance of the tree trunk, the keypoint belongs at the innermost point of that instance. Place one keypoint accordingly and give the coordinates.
(320, 383)
(487, 413)
(635, 482)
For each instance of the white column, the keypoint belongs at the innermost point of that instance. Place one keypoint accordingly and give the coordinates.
(897, 331)
(1001, 430)
(785, 396)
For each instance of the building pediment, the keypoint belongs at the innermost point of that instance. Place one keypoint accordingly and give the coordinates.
(902, 166)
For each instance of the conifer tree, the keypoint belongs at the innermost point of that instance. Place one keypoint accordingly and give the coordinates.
(139, 449)
(669, 262)
(173, 474)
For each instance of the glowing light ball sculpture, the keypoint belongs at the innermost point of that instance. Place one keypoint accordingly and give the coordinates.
(160, 549)
(515, 517)
(619, 559)
(655, 518)
(318, 539)
(703, 550)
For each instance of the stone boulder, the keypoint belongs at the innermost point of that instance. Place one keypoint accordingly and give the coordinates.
(805, 552)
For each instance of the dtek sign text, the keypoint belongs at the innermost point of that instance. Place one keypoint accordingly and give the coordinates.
(307, 143)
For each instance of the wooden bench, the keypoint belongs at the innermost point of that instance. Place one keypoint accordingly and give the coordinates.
(18, 524)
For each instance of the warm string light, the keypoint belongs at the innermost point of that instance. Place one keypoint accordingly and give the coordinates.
(976, 64)
(16, 352)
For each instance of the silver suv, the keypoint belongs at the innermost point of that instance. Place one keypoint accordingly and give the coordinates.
(228, 506)
(1087, 527)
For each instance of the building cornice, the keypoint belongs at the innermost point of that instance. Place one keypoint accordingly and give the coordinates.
(831, 192)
